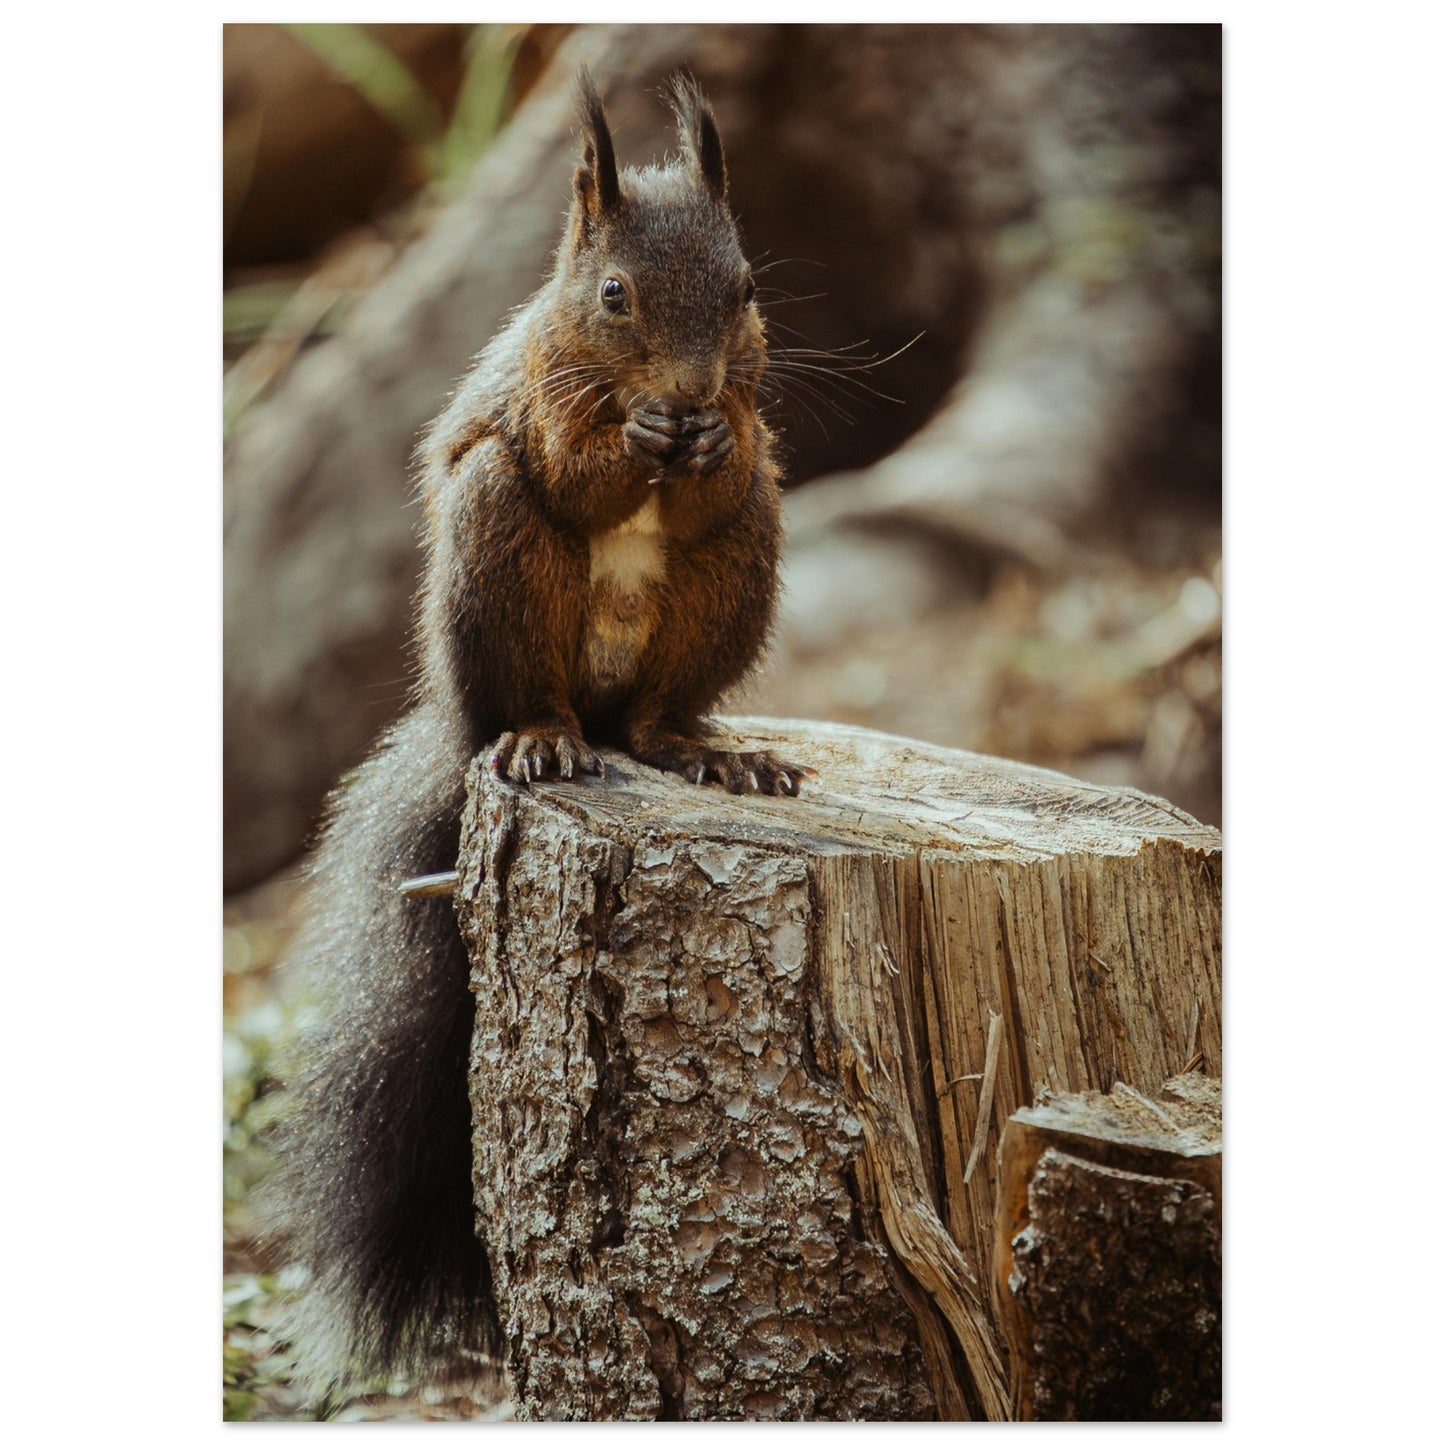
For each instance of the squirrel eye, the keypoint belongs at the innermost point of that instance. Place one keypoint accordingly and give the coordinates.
(750, 290)
(614, 296)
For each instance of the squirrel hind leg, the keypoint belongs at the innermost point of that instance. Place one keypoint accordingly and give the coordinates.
(738, 772)
(543, 751)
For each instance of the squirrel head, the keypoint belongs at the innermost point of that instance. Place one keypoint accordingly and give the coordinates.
(651, 271)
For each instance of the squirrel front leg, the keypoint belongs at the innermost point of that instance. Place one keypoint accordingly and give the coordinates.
(502, 610)
(721, 457)
(591, 478)
(728, 577)
(529, 677)
(598, 474)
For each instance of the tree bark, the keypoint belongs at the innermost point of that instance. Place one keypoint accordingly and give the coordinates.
(1108, 1264)
(741, 1063)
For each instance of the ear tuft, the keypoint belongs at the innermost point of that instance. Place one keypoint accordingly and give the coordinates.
(596, 178)
(697, 132)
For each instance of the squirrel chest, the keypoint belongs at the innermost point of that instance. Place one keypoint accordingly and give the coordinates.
(624, 562)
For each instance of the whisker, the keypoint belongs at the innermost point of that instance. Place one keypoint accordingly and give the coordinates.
(845, 357)
(784, 298)
(787, 261)
(821, 376)
(841, 367)
(800, 392)
(557, 380)
(552, 391)
(592, 410)
(817, 420)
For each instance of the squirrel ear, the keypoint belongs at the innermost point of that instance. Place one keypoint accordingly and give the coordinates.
(595, 180)
(697, 131)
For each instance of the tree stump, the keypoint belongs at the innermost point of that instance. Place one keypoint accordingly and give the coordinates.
(1108, 1261)
(741, 1063)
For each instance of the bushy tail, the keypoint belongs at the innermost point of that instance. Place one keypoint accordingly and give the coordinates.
(373, 1190)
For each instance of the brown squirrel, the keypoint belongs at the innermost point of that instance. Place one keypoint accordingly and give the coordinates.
(602, 535)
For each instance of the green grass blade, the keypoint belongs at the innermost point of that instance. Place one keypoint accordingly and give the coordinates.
(379, 76)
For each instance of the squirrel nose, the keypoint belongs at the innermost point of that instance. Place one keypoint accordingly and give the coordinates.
(691, 388)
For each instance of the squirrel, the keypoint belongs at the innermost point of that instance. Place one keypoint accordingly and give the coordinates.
(602, 531)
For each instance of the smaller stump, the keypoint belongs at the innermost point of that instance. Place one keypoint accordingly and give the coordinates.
(1108, 1255)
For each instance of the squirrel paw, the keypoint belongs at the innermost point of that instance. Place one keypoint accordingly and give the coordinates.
(708, 445)
(654, 437)
(695, 443)
(545, 752)
(737, 772)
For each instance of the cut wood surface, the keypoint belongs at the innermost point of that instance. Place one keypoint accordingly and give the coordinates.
(741, 1063)
(1108, 1264)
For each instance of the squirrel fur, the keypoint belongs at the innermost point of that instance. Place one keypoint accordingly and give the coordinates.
(602, 531)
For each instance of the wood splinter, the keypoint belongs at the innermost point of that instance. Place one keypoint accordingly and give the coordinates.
(430, 885)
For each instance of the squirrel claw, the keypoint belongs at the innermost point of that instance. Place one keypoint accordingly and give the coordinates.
(737, 772)
(529, 757)
(652, 436)
(708, 447)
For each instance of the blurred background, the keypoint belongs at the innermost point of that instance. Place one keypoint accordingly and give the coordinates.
(1006, 538)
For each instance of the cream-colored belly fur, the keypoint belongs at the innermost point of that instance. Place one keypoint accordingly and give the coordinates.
(621, 610)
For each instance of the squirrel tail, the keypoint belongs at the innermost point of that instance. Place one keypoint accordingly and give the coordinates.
(372, 1194)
